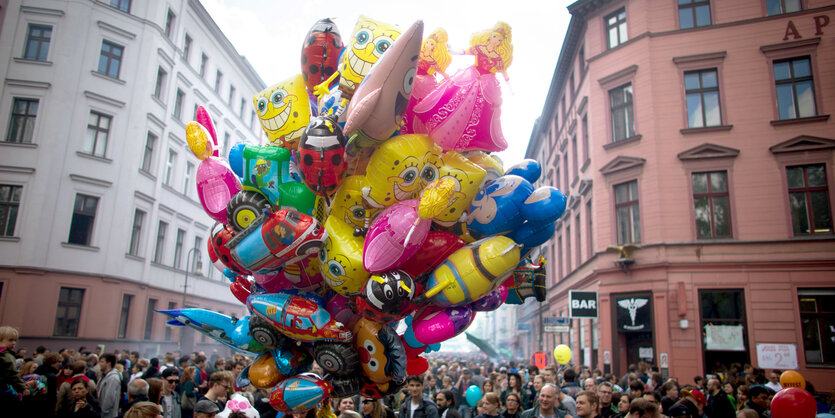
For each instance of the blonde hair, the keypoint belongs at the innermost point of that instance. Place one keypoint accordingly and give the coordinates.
(28, 368)
(440, 54)
(505, 48)
(7, 332)
(143, 410)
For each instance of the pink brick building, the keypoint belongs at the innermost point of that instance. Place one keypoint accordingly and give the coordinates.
(700, 131)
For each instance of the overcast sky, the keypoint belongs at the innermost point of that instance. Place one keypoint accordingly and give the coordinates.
(270, 33)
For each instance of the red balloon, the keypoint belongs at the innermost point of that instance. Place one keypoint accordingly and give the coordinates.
(793, 403)
(437, 246)
(417, 366)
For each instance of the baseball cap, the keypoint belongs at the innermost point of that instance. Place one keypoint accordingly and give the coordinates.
(695, 393)
(206, 406)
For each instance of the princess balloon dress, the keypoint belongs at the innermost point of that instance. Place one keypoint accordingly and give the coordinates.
(463, 113)
(424, 84)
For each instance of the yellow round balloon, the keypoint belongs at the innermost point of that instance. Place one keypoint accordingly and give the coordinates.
(562, 354)
(792, 379)
(198, 140)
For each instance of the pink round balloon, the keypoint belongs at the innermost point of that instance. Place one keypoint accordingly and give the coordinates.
(394, 237)
(435, 325)
(216, 184)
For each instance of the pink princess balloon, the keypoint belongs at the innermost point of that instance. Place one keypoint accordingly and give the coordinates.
(394, 237)
(433, 59)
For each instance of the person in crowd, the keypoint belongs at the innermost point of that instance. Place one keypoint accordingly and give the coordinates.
(718, 404)
(109, 387)
(65, 374)
(65, 391)
(547, 404)
(9, 377)
(691, 403)
(514, 385)
(447, 384)
(550, 375)
(587, 404)
(153, 369)
(699, 382)
(205, 409)
(188, 391)
(430, 388)
(589, 385)
(774, 381)
(50, 367)
(621, 402)
(747, 413)
(155, 388)
(758, 400)
(513, 405)
(604, 395)
(669, 392)
(464, 382)
(445, 401)
(741, 397)
(490, 406)
(220, 386)
(28, 367)
(345, 404)
(571, 387)
(81, 404)
(144, 410)
(170, 401)
(636, 389)
(417, 406)
(137, 392)
(730, 391)
(374, 408)
(138, 369)
(641, 408)
(488, 386)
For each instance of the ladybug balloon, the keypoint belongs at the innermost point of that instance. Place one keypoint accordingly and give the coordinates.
(387, 297)
(321, 153)
(320, 53)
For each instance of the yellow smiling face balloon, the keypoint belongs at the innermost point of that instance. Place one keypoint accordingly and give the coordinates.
(340, 259)
(348, 206)
(396, 169)
(284, 111)
(370, 39)
(466, 177)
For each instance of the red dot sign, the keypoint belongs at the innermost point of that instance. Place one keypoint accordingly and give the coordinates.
(540, 360)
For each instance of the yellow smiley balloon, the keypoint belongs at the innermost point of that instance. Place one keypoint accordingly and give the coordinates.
(284, 111)
(396, 169)
(467, 178)
(340, 259)
(347, 204)
(370, 39)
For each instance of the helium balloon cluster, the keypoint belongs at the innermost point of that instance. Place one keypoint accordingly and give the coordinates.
(376, 201)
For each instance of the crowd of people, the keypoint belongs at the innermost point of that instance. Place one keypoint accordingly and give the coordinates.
(82, 383)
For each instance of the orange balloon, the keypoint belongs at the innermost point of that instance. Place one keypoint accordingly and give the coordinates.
(263, 373)
(792, 379)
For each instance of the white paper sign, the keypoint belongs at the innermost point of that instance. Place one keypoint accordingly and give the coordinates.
(587, 356)
(724, 338)
(777, 356)
(664, 360)
(607, 357)
(645, 352)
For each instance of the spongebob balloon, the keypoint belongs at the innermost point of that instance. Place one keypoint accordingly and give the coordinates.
(466, 178)
(348, 204)
(371, 38)
(397, 168)
(284, 111)
(340, 259)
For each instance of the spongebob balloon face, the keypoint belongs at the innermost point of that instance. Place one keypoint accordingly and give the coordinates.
(466, 177)
(340, 259)
(371, 38)
(348, 203)
(396, 169)
(284, 111)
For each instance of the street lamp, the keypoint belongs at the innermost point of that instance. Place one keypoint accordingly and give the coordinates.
(199, 266)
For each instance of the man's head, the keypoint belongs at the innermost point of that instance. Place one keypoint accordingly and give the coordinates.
(184, 361)
(604, 392)
(694, 395)
(415, 386)
(714, 385)
(107, 362)
(774, 376)
(538, 382)
(221, 383)
(53, 360)
(205, 409)
(570, 375)
(134, 355)
(40, 351)
(548, 398)
(587, 403)
(467, 374)
(137, 389)
(550, 375)
(445, 399)
(759, 395)
(636, 389)
(641, 408)
(533, 370)
(590, 385)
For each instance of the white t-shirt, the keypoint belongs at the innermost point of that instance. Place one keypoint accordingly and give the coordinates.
(414, 407)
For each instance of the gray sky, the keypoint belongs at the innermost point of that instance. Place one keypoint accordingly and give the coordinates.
(270, 34)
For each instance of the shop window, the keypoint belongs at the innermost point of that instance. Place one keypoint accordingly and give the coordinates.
(723, 329)
(817, 317)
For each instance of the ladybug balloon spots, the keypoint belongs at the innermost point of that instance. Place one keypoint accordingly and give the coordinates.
(320, 53)
(321, 148)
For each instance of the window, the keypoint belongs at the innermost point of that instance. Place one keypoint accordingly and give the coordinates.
(628, 214)
(243, 106)
(187, 48)
(693, 13)
(123, 5)
(809, 199)
(22, 123)
(777, 7)
(159, 250)
(795, 88)
(571, 85)
(623, 122)
(110, 59)
(577, 238)
(123, 318)
(616, 28)
(179, 101)
(204, 61)
(9, 206)
(585, 132)
(148, 156)
(169, 167)
(37, 42)
(218, 80)
(712, 206)
(162, 75)
(723, 327)
(702, 90)
(178, 248)
(231, 94)
(68, 313)
(589, 232)
(575, 167)
(582, 59)
(817, 317)
(171, 305)
(227, 138)
(187, 179)
(568, 256)
(252, 119)
(560, 264)
(196, 265)
(98, 128)
(136, 232)
(170, 18)
(565, 172)
(83, 218)
(149, 318)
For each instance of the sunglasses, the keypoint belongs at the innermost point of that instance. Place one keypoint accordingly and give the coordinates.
(368, 401)
(172, 380)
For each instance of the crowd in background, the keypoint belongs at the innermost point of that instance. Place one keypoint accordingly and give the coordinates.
(82, 383)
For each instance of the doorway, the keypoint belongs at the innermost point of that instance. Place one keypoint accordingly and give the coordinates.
(633, 334)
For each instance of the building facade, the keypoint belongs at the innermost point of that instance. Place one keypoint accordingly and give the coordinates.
(695, 143)
(100, 216)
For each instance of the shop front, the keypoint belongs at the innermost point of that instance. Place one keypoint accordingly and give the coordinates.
(632, 337)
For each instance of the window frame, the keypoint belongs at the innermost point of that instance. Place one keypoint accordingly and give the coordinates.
(110, 59)
(135, 243)
(628, 106)
(636, 201)
(701, 90)
(11, 203)
(187, 44)
(179, 241)
(806, 189)
(91, 229)
(782, 8)
(793, 49)
(218, 80)
(793, 81)
(159, 244)
(97, 131)
(701, 62)
(710, 195)
(170, 166)
(188, 177)
(608, 27)
(204, 64)
(12, 117)
(147, 164)
(67, 305)
(40, 42)
(124, 316)
(692, 6)
(161, 83)
(814, 292)
(149, 318)
(170, 22)
(120, 4)
(179, 103)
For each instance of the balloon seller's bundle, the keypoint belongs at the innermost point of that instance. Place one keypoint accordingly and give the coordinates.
(377, 200)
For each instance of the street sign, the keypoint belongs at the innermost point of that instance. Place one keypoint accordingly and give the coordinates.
(540, 360)
(523, 327)
(556, 324)
(582, 304)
